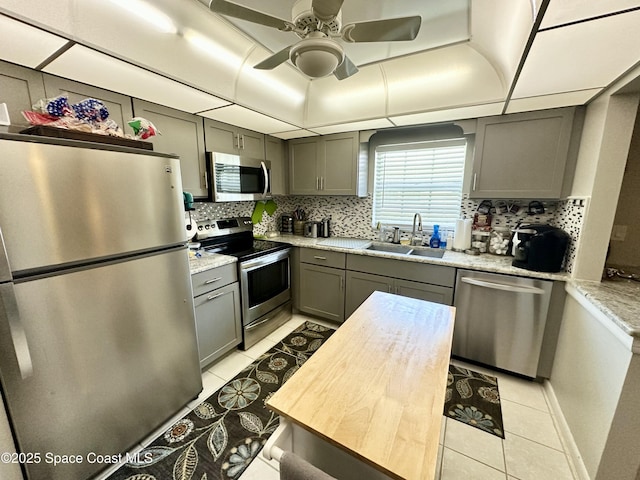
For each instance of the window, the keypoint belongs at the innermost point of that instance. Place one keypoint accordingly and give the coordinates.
(422, 177)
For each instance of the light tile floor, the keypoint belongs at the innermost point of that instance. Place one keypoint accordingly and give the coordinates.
(532, 449)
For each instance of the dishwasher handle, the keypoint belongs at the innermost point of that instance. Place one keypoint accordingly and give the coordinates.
(507, 287)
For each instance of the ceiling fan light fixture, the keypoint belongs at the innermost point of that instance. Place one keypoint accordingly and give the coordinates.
(317, 57)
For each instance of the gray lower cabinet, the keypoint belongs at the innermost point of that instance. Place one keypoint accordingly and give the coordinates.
(366, 275)
(218, 320)
(321, 278)
(360, 285)
(181, 134)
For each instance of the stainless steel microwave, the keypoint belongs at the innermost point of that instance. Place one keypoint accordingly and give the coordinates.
(236, 178)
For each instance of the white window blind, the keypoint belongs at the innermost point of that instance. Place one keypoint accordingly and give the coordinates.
(424, 178)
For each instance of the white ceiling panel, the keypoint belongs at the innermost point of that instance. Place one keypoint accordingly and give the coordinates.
(355, 126)
(26, 45)
(360, 97)
(448, 115)
(580, 57)
(294, 134)
(88, 66)
(243, 117)
(206, 52)
(282, 90)
(561, 12)
(552, 101)
(443, 78)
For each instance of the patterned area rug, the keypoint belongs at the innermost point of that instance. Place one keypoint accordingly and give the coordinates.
(473, 398)
(221, 436)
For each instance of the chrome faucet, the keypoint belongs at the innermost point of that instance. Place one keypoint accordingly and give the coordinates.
(413, 232)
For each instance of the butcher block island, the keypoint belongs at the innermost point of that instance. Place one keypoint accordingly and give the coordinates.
(375, 390)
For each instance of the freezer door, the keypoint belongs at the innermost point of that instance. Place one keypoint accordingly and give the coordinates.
(62, 204)
(114, 355)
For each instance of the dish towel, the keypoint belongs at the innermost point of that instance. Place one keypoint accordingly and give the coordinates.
(292, 467)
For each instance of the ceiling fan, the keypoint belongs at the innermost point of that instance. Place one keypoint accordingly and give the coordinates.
(319, 23)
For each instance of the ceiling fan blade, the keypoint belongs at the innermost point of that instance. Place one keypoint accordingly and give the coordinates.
(326, 10)
(243, 13)
(274, 60)
(390, 30)
(345, 69)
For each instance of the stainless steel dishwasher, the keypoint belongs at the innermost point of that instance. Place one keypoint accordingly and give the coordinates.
(500, 320)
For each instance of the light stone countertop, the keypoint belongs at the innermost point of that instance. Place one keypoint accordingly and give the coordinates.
(208, 261)
(619, 300)
(484, 262)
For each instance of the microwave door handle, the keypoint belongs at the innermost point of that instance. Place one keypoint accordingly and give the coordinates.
(266, 179)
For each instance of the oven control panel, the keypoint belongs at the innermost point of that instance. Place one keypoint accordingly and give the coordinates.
(224, 226)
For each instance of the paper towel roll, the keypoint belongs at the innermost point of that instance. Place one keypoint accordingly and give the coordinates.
(462, 238)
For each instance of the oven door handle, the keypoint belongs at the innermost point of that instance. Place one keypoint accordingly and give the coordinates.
(266, 179)
(264, 260)
(256, 324)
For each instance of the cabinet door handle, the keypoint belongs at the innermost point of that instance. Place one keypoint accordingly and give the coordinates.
(206, 180)
(321, 183)
(213, 280)
(389, 290)
(319, 258)
(241, 139)
(213, 297)
(317, 183)
(475, 178)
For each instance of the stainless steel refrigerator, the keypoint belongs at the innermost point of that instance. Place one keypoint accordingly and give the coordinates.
(97, 331)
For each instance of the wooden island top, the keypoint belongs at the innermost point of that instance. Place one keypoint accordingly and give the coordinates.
(376, 388)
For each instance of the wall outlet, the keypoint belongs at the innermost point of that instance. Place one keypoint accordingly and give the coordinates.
(619, 233)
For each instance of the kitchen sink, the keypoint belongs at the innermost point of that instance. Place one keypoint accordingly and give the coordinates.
(390, 248)
(427, 252)
(407, 250)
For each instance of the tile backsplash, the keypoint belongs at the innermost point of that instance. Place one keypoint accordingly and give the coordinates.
(351, 216)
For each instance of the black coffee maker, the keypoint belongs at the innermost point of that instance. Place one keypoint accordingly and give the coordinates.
(540, 248)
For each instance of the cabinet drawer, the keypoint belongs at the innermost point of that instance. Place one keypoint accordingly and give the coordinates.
(419, 272)
(215, 278)
(326, 258)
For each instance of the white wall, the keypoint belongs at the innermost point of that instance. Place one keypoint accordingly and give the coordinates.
(604, 149)
(588, 375)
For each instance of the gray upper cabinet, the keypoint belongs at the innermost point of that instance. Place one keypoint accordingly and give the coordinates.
(275, 152)
(326, 165)
(523, 155)
(20, 89)
(225, 138)
(182, 134)
(119, 105)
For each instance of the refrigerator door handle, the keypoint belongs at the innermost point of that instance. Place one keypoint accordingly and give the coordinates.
(5, 270)
(503, 286)
(16, 329)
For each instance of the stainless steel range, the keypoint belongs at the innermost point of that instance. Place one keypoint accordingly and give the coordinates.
(263, 269)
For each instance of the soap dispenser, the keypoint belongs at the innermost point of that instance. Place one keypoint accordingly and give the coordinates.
(434, 241)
